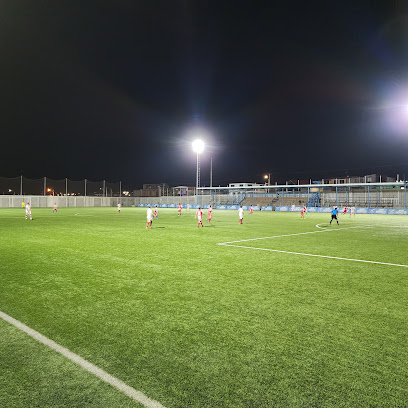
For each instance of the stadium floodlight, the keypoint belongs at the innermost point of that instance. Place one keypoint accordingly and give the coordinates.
(198, 147)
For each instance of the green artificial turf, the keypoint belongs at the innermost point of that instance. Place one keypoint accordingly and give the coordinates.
(194, 324)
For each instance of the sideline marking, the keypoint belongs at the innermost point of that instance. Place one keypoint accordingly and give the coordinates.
(318, 256)
(93, 369)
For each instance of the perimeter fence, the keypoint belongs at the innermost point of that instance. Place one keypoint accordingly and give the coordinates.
(45, 186)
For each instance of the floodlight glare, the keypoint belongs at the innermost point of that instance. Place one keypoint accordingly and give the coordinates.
(198, 146)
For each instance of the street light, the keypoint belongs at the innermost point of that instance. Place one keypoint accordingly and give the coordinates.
(198, 147)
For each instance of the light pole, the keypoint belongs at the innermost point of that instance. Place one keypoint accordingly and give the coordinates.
(268, 177)
(198, 147)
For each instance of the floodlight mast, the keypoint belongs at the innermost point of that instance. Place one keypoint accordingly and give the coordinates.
(198, 147)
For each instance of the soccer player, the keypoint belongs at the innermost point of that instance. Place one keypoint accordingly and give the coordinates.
(303, 211)
(149, 217)
(55, 208)
(334, 215)
(241, 215)
(345, 210)
(119, 205)
(251, 210)
(209, 214)
(23, 205)
(293, 208)
(199, 216)
(28, 211)
(352, 211)
(156, 212)
(179, 209)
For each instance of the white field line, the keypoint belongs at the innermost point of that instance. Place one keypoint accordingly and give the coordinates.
(317, 256)
(93, 369)
(301, 253)
(289, 235)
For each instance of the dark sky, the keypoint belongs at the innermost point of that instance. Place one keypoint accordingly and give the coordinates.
(113, 89)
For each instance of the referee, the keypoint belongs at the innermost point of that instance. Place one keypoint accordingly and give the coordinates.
(334, 215)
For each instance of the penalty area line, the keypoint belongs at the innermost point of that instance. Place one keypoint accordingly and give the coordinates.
(290, 235)
(317, 256)
(91, 368)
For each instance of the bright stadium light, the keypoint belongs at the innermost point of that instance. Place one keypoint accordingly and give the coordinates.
(198, 146)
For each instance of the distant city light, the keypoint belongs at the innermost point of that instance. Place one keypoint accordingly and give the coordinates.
(198, 146)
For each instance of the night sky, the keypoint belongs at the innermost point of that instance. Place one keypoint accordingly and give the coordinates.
(115, 90)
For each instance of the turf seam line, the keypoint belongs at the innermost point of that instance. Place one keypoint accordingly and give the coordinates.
(93, 369)
(318, 256)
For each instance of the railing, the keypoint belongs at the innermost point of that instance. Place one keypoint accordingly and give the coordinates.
(314, 200)
(237, 200)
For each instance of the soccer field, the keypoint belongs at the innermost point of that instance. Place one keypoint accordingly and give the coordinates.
(277, 312)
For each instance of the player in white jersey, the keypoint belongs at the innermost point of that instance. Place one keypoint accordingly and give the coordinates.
(55, 208)
(119, 206)
(241, 214)
(199, 216)
(149, 217)
(28, 211)
(352, 211)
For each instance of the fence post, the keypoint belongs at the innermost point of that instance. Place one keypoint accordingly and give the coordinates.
(45, 186)
(368, 196)
(21, 185)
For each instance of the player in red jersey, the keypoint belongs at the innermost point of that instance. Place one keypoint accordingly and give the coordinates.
(199, 216)
(179, 209)
(303, 212)
(251, 210)
(209, 214)
(345, 210)
(156, 212)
